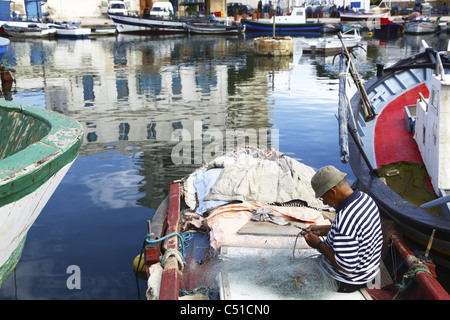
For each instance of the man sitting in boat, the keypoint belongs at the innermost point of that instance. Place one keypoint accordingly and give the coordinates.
(351, 252)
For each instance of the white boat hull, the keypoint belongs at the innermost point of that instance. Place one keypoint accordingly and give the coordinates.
(420, 27)
(330, 44)
(192, 28)
(73, 33)
(17, 218)
(363, 16)
(134, 24)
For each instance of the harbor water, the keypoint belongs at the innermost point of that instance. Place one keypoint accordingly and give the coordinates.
(153, 109)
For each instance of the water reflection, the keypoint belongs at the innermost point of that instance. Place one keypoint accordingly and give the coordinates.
(137, 91)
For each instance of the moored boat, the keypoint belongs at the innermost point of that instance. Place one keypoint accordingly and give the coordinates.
(207, 242)
(421, 26)
(70, 30)
(363, 16)
(398, 158)
(136, 24)
(350, 38)
(214, 28)
(29, 31)
(37, 148)
(296, 22)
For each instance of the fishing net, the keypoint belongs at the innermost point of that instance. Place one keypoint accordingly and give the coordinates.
(279, 275)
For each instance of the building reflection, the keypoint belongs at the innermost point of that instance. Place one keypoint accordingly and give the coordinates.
(138, 90)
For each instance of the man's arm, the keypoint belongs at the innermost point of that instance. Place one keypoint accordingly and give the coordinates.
(315, 242)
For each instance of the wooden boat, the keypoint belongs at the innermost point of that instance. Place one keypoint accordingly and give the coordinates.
(30, 31)
(190, 243)
(331, 44)
(136, 24)
(70, 30)
(363, 16)
(397, 158)
(214, 28)
(296, 22)
(37, 148)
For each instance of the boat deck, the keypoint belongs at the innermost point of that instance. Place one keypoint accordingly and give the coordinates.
(393, 142)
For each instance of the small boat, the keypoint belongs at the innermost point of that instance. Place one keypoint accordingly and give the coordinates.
(100, 30)
(397, 146)
(421, 26)
(296, 22)
(29, 31)
(37, 148)
(363, 16)
(70, 30)
(214, 28)
(333, 43)
(135, 24)
(203, 243)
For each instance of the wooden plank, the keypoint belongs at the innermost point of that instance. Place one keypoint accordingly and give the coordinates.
(170, 280)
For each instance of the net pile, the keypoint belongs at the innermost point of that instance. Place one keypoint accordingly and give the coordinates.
(282, 274)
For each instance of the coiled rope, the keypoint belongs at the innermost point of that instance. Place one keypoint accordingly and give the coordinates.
(184, 239)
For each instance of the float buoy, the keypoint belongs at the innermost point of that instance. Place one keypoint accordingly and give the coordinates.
(140, 270)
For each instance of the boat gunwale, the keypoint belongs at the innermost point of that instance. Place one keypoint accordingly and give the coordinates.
(26, 170)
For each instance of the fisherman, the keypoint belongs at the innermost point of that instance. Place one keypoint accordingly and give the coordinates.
(351, 252)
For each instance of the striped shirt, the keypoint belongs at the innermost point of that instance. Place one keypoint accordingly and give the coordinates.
(356, 238)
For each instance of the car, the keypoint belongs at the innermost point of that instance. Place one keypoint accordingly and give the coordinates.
(162, 9)
(239, 8)
(117, 7)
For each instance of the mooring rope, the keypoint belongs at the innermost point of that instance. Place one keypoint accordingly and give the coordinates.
(411, 274)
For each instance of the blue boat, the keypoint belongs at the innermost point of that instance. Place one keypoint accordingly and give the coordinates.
(4, 43)
(296, 22)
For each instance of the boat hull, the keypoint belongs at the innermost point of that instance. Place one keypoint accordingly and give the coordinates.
(363, 16)
(37, 148)
(17, 218)
(262, 26)
(135, 24)
(330, 45)
(24, 32)
(417, 27)
(73, 33)
(214, 29)
(404, 83)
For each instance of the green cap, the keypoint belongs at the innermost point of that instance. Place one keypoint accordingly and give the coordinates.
(326, 178)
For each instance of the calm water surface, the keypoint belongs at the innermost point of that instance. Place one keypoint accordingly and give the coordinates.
(131, 94)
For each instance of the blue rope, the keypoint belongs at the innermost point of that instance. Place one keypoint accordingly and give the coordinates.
(184, 238)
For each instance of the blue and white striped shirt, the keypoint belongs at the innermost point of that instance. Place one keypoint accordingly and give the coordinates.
(356, 238)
